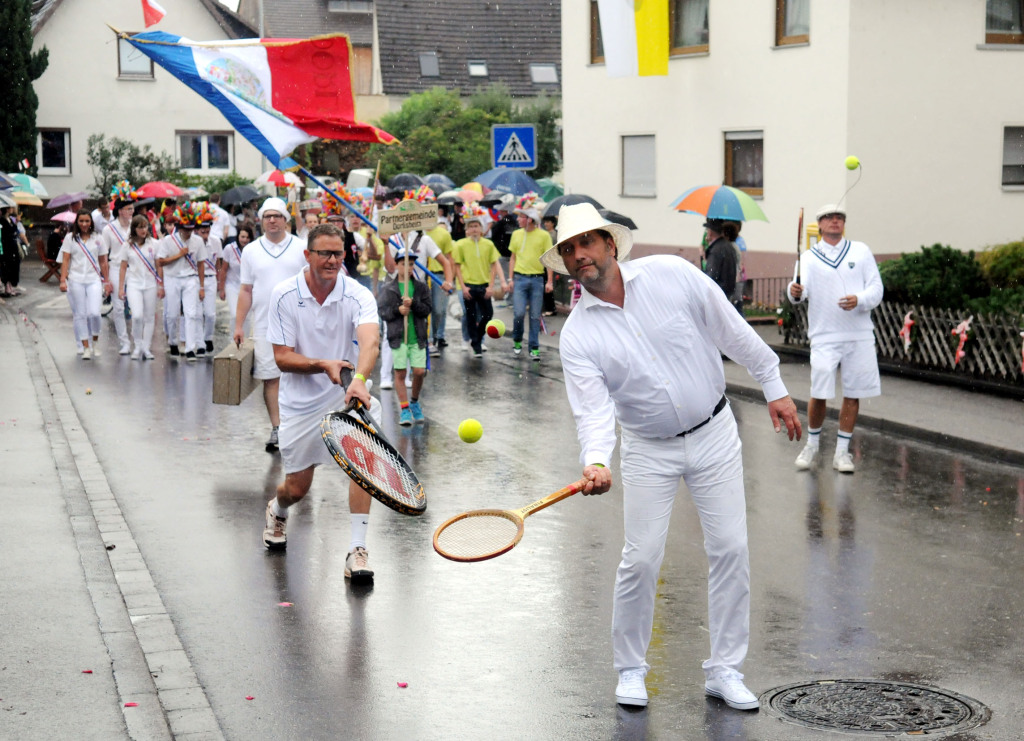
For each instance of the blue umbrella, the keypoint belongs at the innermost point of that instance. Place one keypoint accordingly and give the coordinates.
(508, 180)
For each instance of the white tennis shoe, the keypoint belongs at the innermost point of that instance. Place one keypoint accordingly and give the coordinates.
(631, 689)
(275, 535)
(806, 457)
(843, 461)
(357, 565)
(727, 685)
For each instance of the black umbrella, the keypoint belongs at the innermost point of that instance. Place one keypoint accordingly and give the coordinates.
(617, 218)
(238, 195)
(568, 200)
(438, 182)
(405, 181)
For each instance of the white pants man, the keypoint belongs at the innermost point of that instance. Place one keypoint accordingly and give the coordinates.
(120, 324)
(182, 293)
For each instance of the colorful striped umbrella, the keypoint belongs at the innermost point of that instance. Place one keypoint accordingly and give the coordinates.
(719, 202)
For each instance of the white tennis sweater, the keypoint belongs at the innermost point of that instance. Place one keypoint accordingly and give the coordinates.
(828, 273)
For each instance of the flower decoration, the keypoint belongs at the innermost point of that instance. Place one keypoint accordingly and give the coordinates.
(202, 214)
(185, 214)
(334, 207)
(423, 194)
(473, 211)
(123, 191)
(527, 200)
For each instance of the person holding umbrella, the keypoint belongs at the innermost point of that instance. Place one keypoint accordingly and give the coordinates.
(721, 262)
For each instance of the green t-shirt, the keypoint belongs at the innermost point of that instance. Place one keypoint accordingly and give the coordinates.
(410, 319)
(476, 259)
(528, 247)
(443, 239)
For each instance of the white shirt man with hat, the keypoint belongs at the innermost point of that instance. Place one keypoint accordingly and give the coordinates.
(840, 280)
(642, 349)
(272, 258)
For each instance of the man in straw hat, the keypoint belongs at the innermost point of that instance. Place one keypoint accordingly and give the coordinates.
(643, 349)
(840, 280)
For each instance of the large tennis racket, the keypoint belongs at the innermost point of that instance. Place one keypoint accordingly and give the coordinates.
(487, 533)
(371, 461)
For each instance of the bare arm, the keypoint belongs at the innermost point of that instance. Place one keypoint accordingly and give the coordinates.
(242, 311)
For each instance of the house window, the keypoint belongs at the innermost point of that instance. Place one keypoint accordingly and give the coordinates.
(638, 166)
(429, 66)
(744, 161)
(477, 68)
(132, 64)
(688, 26)
(544, 74)
(53, 151)
(350, 6)
(198, 150)
(792, 22)
(1003, 20)
(596, 43)
(1013, 155)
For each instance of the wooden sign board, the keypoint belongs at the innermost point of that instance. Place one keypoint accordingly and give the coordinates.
(232, 374)
(408, 216)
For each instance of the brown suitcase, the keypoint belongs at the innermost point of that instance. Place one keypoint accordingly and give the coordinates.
(232, 374)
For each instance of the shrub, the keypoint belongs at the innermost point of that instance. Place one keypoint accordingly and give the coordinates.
(936, 276)
(1003, 265)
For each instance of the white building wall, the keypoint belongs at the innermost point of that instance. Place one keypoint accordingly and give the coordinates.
(80, 89)
(894, 83)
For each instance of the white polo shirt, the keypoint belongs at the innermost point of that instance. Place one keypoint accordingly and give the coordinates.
(141, 264)
(182, 267)
(81, 269)
(328, 331)
(213, 250)
(116, 238)
(231, 255)
(264, 265)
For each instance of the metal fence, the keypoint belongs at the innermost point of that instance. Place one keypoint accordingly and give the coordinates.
(992, 352)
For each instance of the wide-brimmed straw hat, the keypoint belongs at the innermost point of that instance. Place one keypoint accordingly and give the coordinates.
(579, 218)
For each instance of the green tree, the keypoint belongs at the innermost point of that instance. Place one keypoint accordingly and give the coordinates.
(439, 133)
(936, 276)
(117, 159)
(20, 68)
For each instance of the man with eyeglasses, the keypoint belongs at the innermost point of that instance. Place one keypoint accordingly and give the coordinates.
(321, 321)
(275, 256)
(840, 280)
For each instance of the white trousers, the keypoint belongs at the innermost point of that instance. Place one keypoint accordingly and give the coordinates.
(142, 302)
(182, 294)
(209, 306)
(117, 314)
(86, 300)
(710, 462)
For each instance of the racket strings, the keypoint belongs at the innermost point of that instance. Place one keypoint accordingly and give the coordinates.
(478, 535)
(377, 462)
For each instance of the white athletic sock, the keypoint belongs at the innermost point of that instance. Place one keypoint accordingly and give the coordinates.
(278, 510)
(813, 438)
(360, 524)
(843, 442)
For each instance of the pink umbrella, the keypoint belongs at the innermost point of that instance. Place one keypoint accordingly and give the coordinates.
(469, 195)
(68, 217)
(66, 199)
(160, 189)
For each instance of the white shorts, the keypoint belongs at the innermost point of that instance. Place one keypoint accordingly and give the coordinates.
(264, 366)
(301, 443)
(858, 362)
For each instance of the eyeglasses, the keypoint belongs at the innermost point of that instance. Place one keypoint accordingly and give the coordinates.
(273, 216)
(328, 254)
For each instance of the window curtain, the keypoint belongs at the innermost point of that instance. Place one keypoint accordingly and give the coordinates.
(798, 17)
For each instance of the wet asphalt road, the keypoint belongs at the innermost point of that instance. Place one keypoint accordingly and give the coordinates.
(908, 570)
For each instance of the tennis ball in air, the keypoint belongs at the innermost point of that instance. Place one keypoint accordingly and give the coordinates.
(851, 162)
(470, 430)
(495, 328)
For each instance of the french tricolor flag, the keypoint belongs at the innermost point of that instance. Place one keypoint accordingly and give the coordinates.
(277, 93)
(153, 12)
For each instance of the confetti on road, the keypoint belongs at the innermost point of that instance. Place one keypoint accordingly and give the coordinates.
(131, 704)
(284, 604)
(249, 697)
(403, 685)
(87, 671)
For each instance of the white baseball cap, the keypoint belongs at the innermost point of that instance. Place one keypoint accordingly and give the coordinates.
(275, 204)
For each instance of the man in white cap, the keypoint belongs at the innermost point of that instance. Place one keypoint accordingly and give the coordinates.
(528, 279)
(840, 280)
(272, 258)
(642, 349)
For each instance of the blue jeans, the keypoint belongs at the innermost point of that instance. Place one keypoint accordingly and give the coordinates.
(439, 302)
(527, 289)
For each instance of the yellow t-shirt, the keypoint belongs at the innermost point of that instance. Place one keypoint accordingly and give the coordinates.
(528, 247)
(443, 239)
(476, 259)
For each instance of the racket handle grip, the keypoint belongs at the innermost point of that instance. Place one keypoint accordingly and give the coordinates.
(553, 498)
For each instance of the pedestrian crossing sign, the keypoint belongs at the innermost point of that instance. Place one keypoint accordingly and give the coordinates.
(514, 145)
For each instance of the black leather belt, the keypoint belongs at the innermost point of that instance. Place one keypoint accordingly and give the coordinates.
(718, 407)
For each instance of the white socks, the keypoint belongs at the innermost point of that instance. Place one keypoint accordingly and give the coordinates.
(278, 510)
(360, 524)
(813, 438)
(843, 442)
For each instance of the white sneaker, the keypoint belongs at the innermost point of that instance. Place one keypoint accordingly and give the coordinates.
(387, 384)
(146, 354)
(125, 349)
(408, 380)
(806, 457)
(357, 566)
(87, 353)
(275, 533)
(843, 461)
(136, 355)
(631, 689)
(95, 350)
(728, 685)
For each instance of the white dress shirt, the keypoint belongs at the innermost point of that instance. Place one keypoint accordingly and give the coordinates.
(654, 365)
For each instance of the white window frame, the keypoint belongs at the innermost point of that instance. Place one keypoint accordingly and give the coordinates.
(125, 49)
(350, 6)
(1013, 156)
(66, 170)
(477, 68)
(539, 70)
(639, 166)
(205, 151)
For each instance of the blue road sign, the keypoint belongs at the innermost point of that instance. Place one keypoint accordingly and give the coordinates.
(514, 145)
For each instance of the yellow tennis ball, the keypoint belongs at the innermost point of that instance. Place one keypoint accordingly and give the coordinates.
(495, 329)
(470, 430)
(851, 162)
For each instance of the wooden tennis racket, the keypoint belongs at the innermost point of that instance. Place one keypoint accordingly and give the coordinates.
(371, 461)
(487, 533)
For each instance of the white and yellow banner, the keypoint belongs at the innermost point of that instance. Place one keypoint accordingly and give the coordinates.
(635, 37)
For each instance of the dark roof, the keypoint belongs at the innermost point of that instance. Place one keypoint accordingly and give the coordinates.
(301, 19)
(232, 24)
(508, 35)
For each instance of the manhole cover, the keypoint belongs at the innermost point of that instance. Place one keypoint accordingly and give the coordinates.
(875, 708)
